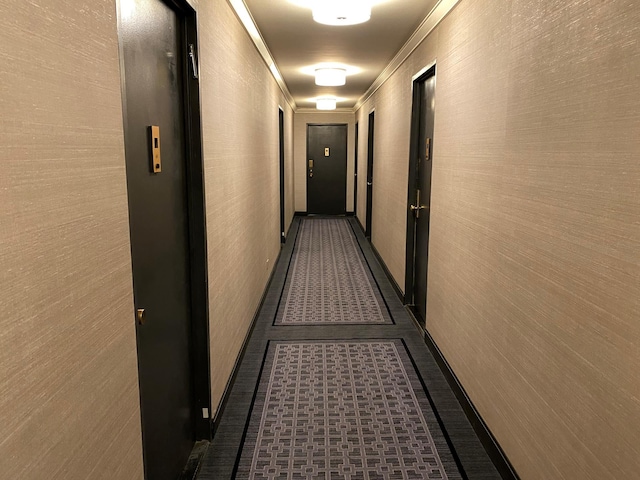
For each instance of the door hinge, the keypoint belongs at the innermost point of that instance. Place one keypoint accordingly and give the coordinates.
(192, 57)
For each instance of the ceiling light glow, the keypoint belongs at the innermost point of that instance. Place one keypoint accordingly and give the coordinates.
(326, 103)
(331, 77)
(341, 12)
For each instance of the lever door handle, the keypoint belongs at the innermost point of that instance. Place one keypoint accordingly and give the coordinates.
(369, 184)
(416, 209)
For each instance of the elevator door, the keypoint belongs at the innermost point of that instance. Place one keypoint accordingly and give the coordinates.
(154, 63)
(327, 169)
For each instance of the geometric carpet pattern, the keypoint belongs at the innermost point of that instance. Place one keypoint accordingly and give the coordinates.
(342, 410)
(329, 280)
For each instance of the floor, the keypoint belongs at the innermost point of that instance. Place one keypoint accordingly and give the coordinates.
(314, 401)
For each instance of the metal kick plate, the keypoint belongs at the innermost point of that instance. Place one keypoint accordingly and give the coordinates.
(156, 159)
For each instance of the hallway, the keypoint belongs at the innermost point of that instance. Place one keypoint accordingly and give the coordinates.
(154, 154)
(341, 391)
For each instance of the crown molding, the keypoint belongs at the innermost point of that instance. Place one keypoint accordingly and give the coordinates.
(431, 21)
(325, 112)
(245, 17)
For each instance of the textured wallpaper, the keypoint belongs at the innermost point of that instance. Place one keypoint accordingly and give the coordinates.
(240, 102)
(69, 405)
(534, 273)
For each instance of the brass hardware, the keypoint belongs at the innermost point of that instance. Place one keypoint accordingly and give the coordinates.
(310, 163)
(416, 208)
(140, 316)
(310, 174)
(156, 161)
(326, 152)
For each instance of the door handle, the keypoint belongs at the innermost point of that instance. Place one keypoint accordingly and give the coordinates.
(369, 184)
(416, 209)
(140, 316)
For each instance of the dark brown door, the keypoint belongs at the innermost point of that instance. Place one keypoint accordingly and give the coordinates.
(327, 169)
(370, 144)
(281, 142)
(420, 192)
(154, 62)
(355, 176)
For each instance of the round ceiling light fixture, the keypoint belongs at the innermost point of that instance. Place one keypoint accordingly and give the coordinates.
(341, 12)
(331, 77)
(326, 103)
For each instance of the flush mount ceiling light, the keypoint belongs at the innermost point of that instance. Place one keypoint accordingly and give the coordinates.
(341, 12)
(331, 77)
(326, 103)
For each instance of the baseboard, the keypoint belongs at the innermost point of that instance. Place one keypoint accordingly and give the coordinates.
(194, 462)
(360, 224)
(392, 280)
(300, 214)
(489, 442)
(215, 421)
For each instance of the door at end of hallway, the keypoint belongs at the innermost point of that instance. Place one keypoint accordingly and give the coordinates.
(327, 169)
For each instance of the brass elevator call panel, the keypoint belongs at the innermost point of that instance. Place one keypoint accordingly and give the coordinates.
(156, 160)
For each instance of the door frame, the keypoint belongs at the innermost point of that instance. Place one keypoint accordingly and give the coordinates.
(368, 215)
(306, 160)
(422, 75)
(355, 173)
(196, 212)
(282, 167)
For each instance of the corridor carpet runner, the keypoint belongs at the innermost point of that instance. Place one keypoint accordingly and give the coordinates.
(329, 280)
(342, 410)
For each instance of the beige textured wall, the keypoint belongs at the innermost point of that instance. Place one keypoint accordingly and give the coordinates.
(534, 274)
(69, 404)
(301, 119)
(240, 102)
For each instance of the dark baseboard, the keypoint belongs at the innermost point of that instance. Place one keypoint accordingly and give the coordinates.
(360, 224)
(215, 421)
(194, 462)
(489, 442)
(300, 214)
(392, 280)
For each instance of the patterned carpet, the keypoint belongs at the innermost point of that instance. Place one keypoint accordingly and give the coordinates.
(329, 280)
(343, 410)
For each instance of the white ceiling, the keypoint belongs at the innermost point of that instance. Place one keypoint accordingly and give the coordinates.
(297, 43)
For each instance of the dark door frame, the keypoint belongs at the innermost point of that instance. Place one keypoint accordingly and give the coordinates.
(281, 143)
(196, 211)
(307, 153)
(370, 157)
(413, 177)
(355, 174)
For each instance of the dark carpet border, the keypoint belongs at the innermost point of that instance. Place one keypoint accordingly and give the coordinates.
(236, 465)
(366, 262)
(386, 304)
(444, 431)
(286, 276)
(487, 439)
(215, 422)
(416, 372)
